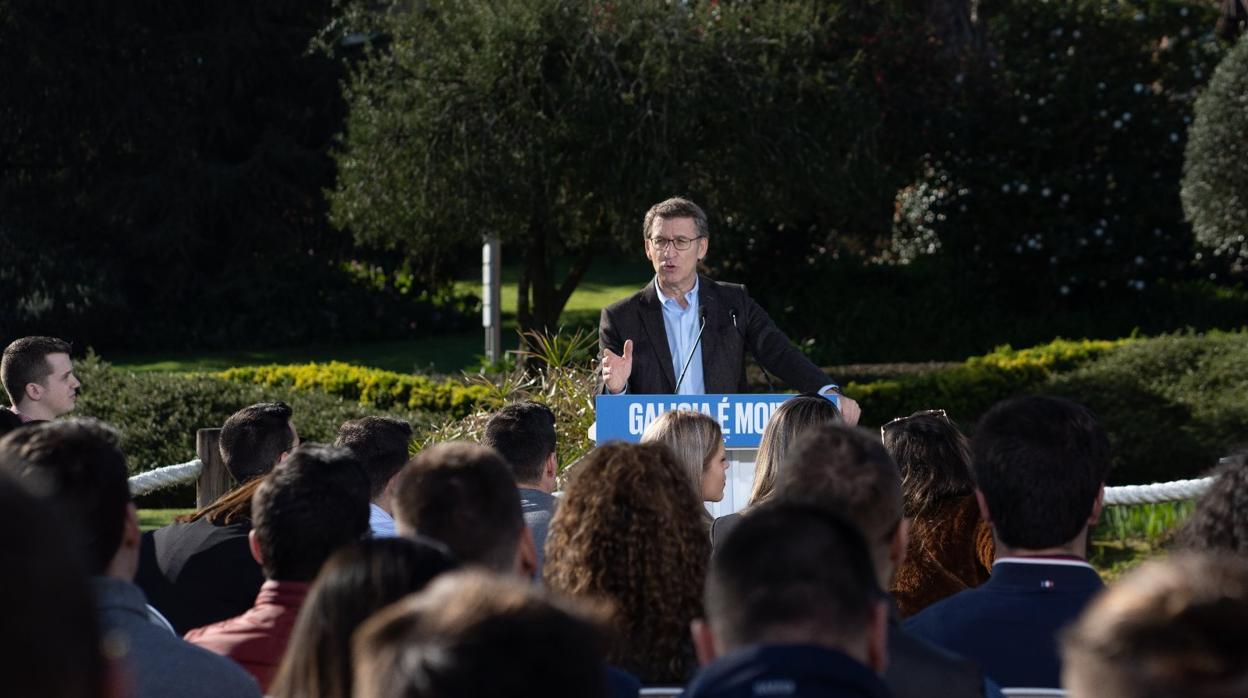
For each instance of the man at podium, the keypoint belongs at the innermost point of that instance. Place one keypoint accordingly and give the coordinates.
(687, 334)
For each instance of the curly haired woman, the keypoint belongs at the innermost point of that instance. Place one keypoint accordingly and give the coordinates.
(950, 547)
(1220, 519)
(629, 531)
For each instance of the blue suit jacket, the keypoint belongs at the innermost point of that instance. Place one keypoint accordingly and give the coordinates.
(1009, 624)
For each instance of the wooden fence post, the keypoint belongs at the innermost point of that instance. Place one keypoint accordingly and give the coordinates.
(214, 479)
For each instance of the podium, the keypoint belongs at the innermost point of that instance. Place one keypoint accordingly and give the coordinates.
(742, 418)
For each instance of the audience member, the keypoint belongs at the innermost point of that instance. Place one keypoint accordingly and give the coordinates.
(476, 634)
(9, 420)
(950, 546)
(355, 582)
(523, 433)
(1220, 519)
(1171, 627)
(77, 470)
(629, 530)
(51, 640)
(464, 496)
(1040, 465)
(381, 444)
(794, 417)
(38, 377)
(200, 570)
(313, 503)
(847, 471)
(792, 608)
(698, 444)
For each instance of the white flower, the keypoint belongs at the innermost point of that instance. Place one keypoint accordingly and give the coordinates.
(1117, 123)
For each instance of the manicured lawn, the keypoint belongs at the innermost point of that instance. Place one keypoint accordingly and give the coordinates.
(150, 519)
(449, 353)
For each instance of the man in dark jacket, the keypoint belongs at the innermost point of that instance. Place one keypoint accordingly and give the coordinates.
(793, 608)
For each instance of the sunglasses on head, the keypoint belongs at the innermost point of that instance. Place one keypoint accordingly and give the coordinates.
(939, 414)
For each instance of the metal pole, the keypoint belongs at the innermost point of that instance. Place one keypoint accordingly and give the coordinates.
(491, 315)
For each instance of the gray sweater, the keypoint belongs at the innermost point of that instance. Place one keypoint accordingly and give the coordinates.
(157, 662)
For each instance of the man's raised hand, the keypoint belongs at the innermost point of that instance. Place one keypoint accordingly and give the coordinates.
(616, 368)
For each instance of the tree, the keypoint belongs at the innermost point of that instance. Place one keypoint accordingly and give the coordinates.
(1215, 171)
(555, 123)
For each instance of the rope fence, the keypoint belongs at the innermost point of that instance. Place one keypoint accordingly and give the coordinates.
(1178, 490)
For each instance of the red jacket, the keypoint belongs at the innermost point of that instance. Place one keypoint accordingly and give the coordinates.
(257, 639)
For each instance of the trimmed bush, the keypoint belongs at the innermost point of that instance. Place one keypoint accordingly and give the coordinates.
(159, 413)
(370, 386)
(1215, 172)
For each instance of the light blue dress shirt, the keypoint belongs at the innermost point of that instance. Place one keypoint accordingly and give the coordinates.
(682, 325)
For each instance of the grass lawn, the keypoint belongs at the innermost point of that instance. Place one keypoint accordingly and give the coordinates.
(606, 282)
(151, 519)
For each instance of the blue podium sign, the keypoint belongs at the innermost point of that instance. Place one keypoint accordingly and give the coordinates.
(741, 417)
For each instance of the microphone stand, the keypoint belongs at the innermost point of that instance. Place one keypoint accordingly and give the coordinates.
(689, 359)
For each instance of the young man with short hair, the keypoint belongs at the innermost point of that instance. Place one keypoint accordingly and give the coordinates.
(792, 608)
(524, 434)
(381, 444)
(76, 468)
(464, 496)
(38, 376)
(1040, 465)
(200, 570)
(313, 503)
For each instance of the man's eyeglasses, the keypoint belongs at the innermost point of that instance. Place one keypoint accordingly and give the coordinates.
(681, 243)
(939, 414)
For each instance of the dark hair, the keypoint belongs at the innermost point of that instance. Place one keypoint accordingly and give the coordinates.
(464, 496)
(75, 466)
(934, 458)
(846, 470)
(313, 503)
(791, 567)
(381, 445)
(355, 582)
(1171, 627)
(524, 433)
(1040, 462)
(1220, 519)
(253, 438)
(477, 634)
(676, 207)
(629, 530)
(51, 640)
(25, 361)
(792, 418)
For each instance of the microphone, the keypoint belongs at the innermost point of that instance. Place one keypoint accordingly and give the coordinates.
(689, 359)
(766, 376)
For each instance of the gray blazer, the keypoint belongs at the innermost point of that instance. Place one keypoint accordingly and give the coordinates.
(734, 324)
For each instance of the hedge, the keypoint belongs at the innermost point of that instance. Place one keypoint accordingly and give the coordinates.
(159, 413)
(1172, 405)
(370, 386)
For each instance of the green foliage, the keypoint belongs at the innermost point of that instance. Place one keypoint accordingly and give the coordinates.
(159, 413)
(1215, 172)
(368, 386)
(1172, 405)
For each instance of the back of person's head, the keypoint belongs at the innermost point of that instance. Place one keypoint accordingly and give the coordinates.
(1172, 627)
(934, 458)
(25, 361)
(51, 640)
(795, 573)
(476, 634)
(792, 418)
(694, 439)
(1040, 463)
(75, 466)
(846, 470)
(355, 582)
(629, 529)
(313, 503)
(524, 434)
(464, 496)
(381, 445)
(255, 437)
(1220, 519)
